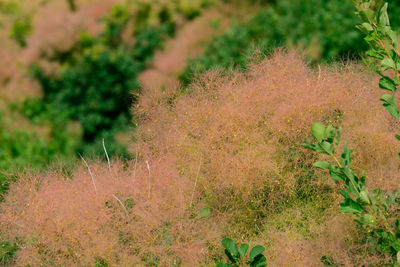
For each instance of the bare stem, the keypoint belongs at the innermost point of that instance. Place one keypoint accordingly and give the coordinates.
(195, 183)
(90, 172)
(122, 205)
(149, 180)
(108, 159)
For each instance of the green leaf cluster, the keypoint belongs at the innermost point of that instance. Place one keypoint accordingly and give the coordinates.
(376, 211)
(384, 49)
(237, 256)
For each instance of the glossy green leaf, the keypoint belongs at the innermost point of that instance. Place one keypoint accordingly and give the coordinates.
(388, 99)
(231, 247)
(350, 206)
(318, 131)
(322, 165)
(387, 83)
(259, 261)
(392, 110)
(387, 63)
(397, 136)
(255, 251)
(243, 250)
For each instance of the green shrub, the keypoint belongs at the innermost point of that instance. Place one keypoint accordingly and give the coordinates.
(97, 82)
(21, 28)
(324, 28)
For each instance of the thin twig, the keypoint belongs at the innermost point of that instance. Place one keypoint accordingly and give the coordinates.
(149, 180)
(195, 183)
(108, 159)
(120, 202)
(90, 172)
(319, 71)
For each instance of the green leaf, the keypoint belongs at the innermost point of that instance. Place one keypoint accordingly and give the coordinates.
(255, 251)
(311, 147)
(204, 212)
(398, 256)
(388, 99)
(330, 133)
(387, 83)
(231, 247)
(344, 193)
(364, 197)
(338, 136)
(318, 131)
(367, 15)
(322, 165)
(243, 249)
(393, 36)
(353, 186)
(392, 110)
(327, 148)
(374, 54)
(383, 18)
(397, 136)
(367, 27)
(222, 264)
(337, 176)
(345, 157)
(387, 63)
(366, 219)
(259, 261)
(350, 206)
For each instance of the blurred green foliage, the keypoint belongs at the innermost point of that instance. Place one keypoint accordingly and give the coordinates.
(21, 29)
(21, 23)
(25, 149)
(323, 28)
(97, 82)
(162, 12)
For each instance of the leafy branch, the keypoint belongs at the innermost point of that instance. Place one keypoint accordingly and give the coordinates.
(384, 48)
(373, 210)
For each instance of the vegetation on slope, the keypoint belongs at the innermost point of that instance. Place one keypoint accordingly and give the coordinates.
(231, 146)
